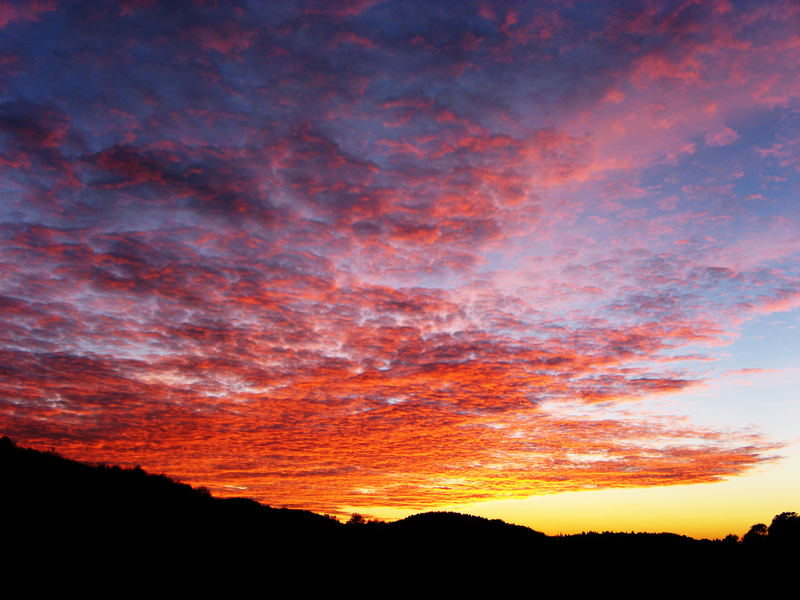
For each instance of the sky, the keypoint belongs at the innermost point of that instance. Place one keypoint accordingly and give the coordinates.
(537, 261)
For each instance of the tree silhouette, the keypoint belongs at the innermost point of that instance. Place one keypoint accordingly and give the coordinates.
(785, 528)
(356, 519)
(730, 539)
(756, 535)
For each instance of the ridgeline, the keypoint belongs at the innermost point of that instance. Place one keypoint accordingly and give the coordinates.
(113, 532)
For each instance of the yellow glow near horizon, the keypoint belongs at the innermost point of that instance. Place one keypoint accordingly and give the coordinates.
(711, 510)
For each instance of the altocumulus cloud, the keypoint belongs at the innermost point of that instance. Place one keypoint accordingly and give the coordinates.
(388, 254)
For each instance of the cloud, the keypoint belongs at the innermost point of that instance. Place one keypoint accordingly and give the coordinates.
(315, 251)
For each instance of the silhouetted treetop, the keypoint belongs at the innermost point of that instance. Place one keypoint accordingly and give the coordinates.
(757, 534)
(785, 528)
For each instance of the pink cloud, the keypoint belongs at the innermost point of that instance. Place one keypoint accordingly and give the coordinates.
(357, 258)
(783, 301)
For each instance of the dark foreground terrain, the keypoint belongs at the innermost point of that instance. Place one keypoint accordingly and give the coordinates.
(110, 532)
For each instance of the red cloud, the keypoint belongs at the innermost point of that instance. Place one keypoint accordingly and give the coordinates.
(339, 261)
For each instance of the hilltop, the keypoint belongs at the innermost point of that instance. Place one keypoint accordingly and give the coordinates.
(98, 525)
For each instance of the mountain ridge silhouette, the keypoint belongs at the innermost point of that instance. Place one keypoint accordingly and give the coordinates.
(98, 525)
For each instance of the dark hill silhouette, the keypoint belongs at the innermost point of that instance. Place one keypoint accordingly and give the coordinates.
(115, 532)
(454, 524)
(89, 511)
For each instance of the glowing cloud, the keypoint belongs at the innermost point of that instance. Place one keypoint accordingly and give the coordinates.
(384, 255)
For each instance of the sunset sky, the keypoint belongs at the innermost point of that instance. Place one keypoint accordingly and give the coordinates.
(531, 260)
